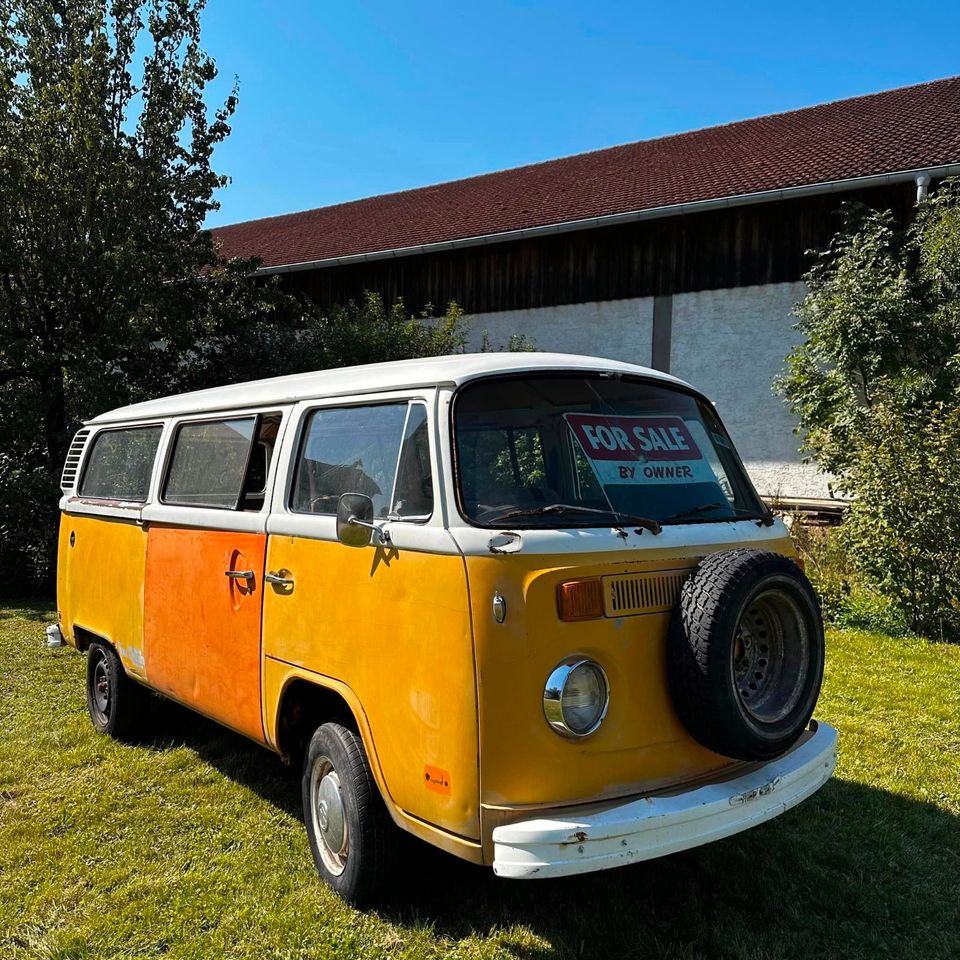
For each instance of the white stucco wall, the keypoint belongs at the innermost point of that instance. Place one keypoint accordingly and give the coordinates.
(619, 329)
(728, 343)
(731, 345)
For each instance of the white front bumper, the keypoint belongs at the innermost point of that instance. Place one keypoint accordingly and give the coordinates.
(600, 836)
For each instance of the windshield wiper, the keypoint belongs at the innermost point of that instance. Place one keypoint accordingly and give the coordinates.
(645, 522)
(764, 519)
(693, 511)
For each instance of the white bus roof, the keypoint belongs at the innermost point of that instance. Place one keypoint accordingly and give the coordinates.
(370, 378)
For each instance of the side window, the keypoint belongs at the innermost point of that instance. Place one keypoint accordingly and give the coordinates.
(120, 463)
(382, 451)
(258, 469)
(209, 463)
(413, 491)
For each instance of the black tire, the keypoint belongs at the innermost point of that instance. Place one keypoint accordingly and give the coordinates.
(745, 653)
(363, 868)
(116, 703)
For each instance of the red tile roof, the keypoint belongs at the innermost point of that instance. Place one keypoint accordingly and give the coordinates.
(904, 129)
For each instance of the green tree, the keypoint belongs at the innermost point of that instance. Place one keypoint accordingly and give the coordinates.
(105, 180)
(876, 388)
(107, 277)
(904, 527)
(111, 291)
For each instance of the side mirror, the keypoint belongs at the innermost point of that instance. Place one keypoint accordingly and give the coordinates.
(355, 524)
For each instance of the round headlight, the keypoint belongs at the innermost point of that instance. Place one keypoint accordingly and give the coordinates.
(575, 698)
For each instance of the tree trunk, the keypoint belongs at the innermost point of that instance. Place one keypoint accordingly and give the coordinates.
(53, 413)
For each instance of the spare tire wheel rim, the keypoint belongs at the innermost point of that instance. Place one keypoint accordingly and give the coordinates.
(771, 653)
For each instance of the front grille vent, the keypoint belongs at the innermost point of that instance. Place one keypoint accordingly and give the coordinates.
(68, 479)
(636, 593)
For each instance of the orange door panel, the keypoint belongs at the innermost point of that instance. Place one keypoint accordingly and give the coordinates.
(201, 626)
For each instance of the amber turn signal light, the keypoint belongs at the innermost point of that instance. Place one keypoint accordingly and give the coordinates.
(580, 600)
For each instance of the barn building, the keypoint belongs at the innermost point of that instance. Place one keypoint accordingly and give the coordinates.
(685, 253)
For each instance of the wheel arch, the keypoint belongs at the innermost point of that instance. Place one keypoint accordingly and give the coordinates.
(83, 638)
(131, 658)
(301, 688)
(304, 703)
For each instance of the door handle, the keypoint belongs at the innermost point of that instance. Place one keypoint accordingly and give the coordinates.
(278, 580)
(240, 575)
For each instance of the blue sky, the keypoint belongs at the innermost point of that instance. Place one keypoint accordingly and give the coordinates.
(351, 99)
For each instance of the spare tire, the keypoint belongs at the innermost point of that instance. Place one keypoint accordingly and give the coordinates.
(745, 653)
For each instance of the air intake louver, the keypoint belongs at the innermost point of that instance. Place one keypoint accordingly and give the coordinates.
(68, 479)
(655, 592)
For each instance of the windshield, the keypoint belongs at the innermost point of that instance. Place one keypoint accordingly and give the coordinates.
(578, 451)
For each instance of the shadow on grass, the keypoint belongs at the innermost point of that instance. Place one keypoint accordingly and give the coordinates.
(29, 608)
(854, 871)
(236, 757)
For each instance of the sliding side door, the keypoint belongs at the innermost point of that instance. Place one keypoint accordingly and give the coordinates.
(206, 543)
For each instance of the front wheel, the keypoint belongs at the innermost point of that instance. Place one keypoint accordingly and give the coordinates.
(116, 703)
(353, 840)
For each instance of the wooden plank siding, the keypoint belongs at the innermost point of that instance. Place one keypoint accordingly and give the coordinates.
(738, 246)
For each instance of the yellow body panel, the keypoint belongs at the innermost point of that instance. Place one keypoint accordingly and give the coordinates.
(100, 582)
(640, 746)
(277, 676)
(447, 700)
(394, 627)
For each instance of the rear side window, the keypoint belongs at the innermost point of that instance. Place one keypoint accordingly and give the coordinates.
(120, 463)
(209, 463)
(382, 451)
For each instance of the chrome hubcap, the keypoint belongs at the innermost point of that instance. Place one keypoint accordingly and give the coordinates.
(771, 655)
(329, 818)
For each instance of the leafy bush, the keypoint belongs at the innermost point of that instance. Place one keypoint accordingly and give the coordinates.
(28, 520)
(847, 596)
(298, 339)
(876, 387)
(826, 564)
(299, 336)
(904, 525)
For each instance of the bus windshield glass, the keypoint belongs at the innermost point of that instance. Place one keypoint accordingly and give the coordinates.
(590, 450)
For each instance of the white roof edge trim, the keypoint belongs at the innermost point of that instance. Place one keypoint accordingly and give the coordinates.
(130, 415)
(450, 371)
(630, 216)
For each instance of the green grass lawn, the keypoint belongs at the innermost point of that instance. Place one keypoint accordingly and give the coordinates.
(191, 845)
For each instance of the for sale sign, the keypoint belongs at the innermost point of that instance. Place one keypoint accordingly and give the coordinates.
(640, 449)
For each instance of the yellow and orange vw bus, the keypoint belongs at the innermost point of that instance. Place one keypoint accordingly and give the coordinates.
(527, 607)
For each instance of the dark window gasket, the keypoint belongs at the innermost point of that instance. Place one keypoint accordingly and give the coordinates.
(744, 483)
(168, 463)
(88, 454)
(303, 429)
